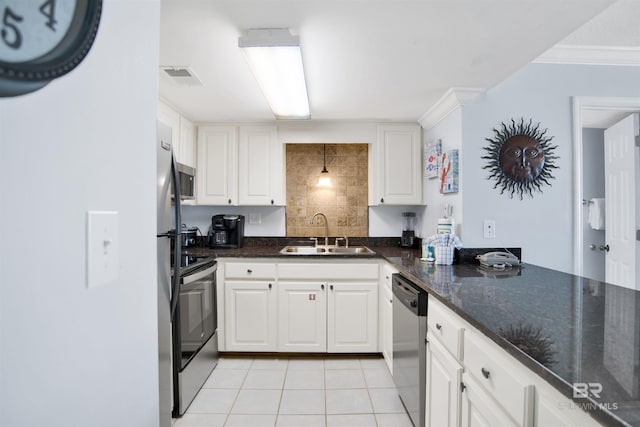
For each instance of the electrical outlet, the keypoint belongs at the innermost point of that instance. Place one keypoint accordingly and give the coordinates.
(255, 218)
(489, 229)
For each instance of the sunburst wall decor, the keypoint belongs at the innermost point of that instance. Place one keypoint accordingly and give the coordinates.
(520, 158)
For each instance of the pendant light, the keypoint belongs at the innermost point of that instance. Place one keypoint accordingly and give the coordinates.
(324, 180)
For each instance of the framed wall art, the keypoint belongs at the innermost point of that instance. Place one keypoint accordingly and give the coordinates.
(449, 172)
(432, 153)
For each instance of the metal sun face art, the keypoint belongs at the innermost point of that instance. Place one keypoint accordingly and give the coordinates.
(520, 158)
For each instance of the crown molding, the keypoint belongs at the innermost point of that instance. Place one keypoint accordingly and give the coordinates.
(452, 99)
(591, 55)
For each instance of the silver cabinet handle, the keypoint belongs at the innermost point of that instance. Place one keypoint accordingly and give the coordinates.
(485, 373)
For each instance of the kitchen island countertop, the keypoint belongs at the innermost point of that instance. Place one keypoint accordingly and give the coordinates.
(590, 330)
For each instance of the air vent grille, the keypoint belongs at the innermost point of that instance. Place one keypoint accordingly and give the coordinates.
(181, 76)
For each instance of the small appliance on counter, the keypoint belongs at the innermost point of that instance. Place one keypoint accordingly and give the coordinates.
(227, 231)
(408, 235)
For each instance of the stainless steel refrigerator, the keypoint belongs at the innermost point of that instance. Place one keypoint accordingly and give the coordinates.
(168, 280)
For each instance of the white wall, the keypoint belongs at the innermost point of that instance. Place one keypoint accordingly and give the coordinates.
(449, 130)
(72, 356)
(542, 225)
(272, 219)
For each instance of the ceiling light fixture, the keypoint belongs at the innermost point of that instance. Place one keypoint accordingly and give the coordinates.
(276, 61)
(324, 180)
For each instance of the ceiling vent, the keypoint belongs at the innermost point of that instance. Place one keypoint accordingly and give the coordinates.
(183, 76)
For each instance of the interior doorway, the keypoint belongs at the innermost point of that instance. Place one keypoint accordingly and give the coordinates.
(591, 117)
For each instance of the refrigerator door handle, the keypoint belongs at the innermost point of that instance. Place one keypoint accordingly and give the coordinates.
(177, 243)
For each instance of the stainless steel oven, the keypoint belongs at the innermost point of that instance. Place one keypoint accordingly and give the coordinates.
(195, 338)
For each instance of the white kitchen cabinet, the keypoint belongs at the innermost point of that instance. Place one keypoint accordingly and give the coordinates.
(501, 376)
(479, 409)
(350, 295)
(399, 174)
(302, 317)
(443, 394)
(386, 314)
(352, 318)
(250, 316)
(183, 136)
(187, 148)
(260, 166)
(248, 289)
(217, 175)
(240, 165)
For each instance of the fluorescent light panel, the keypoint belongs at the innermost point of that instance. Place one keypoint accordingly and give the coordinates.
(276, 61)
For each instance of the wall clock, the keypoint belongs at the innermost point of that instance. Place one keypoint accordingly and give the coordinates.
(520, 158)
(41, 40)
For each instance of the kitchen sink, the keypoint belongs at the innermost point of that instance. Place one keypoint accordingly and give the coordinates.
(326, 250)
(302, 250)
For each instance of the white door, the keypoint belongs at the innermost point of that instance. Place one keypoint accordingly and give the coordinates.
(302, 317)
(352, 318)
(217, 171)
(250, 316)
(444, 374)
(621, 198)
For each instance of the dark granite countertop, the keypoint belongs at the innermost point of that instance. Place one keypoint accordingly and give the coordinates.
(579, 330)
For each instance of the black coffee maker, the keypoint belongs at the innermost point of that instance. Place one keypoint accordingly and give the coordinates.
(227, 231)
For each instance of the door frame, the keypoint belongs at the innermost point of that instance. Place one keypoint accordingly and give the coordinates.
(581, 103)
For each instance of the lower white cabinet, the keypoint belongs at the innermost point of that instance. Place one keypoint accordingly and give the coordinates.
(443, 391)
(302, 317)
(250, 316)
(269, 306)
(352, 318)
(327, 317)
(478, 407)
(386, 326)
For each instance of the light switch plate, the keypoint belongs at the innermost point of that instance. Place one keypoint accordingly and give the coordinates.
(103, 259)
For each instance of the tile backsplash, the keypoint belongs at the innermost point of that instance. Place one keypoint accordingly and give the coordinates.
(345, 203)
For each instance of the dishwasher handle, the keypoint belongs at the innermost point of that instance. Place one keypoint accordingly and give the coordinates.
(409, 295)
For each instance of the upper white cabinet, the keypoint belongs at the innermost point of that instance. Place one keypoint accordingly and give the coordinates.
(183, 136)
(260, 166)
(240, 165)
(399, 175)
(187, 143)
(217, 175)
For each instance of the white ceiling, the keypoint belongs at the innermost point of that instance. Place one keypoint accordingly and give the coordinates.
(373, 59)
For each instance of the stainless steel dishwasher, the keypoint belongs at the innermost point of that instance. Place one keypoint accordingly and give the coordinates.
(409, 346)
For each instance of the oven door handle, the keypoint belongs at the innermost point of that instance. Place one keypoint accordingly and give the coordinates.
(199, 275)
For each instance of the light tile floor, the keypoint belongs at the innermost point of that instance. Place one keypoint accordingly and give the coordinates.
(297, 392)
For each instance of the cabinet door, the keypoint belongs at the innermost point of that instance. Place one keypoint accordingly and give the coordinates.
(187, 151)
(260, 168)
(444, 375)
(217, 182)
(386, 326)
(352, 317)
(400, 160)
(302, 317)
(250, 316)
(479, 409)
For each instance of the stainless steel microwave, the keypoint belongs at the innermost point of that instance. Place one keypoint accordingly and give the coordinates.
(187, 177)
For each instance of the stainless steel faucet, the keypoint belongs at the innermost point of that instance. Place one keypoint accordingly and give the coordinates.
(326, 226)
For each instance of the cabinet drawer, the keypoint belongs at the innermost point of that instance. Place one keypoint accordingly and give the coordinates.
(497, 372)
(249, 270)
(444, 324)
(322, 271)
